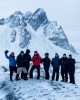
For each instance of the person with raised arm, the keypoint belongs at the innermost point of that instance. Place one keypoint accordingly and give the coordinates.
(12, 63)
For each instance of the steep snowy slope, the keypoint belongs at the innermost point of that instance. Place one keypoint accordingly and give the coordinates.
(37, 42)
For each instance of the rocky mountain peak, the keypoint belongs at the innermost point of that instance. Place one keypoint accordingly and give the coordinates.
(38, 18)
(18, 23)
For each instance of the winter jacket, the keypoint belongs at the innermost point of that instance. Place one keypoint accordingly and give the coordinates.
(12, 61)
(46, 62)
(36, 59)
(27, 59)
(64, 63)
(71, 65)
(55, 62)
(20, 61)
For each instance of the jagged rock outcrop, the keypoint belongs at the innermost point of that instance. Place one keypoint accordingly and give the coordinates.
(18, 22)
(2, 21)
(38, 18)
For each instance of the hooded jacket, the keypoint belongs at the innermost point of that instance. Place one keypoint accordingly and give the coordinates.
(46, 62)
(71, 65)
(36, 59)
(55, 62)
(27, 59)
(64, 63)
(20, 61)
(12, 61)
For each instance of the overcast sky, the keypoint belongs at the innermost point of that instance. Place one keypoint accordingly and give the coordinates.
(65, 12)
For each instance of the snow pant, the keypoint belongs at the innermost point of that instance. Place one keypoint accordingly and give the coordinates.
(27, 68)
(64, 74)
(46, 69)
(20, 70)
(22, 74)
(71, 75)
(38, 71)
(12, 69)
(55, 71)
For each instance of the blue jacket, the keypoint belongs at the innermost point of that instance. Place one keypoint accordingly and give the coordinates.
(55, 62)
(12, 61)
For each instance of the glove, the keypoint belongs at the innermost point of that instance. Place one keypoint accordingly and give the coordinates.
(6, 51)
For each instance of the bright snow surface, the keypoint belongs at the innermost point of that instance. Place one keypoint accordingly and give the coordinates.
(34, 89)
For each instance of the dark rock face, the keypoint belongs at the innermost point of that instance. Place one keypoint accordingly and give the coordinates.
(17, 23)
(57, 36)
(60, 42)
(38, 18)
(72, 49)
(2, 21)
(13, 36)
(25, 38)
(15, 19)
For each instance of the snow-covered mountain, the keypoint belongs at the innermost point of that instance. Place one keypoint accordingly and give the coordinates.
(35, 31)
(17, 25)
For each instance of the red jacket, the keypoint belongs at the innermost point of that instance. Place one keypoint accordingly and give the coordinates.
(36, 60)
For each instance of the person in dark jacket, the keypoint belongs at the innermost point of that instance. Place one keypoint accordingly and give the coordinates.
(56, 64)
(36, 59)
(71, 66)
(46, 63)
(12, 63)
(20, 66)
(64, 68)
(27, 59)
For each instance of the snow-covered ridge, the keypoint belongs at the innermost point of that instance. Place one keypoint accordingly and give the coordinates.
(17, 23)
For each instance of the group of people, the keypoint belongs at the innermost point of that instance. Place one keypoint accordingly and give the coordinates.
(23, 65)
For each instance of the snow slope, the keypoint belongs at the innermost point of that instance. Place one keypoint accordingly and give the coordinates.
(34, 89)
(37, 42)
